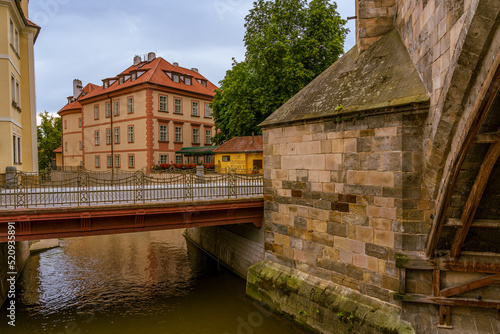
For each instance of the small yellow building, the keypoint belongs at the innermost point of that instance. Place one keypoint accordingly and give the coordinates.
(17, 87)
(242, 154)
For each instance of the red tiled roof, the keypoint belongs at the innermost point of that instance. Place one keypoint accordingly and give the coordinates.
(72, 106)
(247, 144)
(76, 105)
(58, 150)
(155, 74)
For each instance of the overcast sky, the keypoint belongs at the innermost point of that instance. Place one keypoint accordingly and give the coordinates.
(95, 39)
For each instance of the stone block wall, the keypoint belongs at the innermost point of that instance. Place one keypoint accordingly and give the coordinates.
(22, 255)
(237, 247)
(342, 197)
(374, 19)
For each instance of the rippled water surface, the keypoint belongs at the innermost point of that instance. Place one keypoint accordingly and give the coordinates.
(149, 282)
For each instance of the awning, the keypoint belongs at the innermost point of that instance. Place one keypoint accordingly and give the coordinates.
(201, 150)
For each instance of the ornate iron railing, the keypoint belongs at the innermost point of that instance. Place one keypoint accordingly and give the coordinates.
(63, 189)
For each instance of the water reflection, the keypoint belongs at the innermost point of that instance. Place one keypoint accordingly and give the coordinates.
(134, 283)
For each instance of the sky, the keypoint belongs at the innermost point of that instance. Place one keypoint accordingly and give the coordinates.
(95, 39)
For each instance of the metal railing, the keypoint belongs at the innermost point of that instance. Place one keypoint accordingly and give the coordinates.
(66, 189)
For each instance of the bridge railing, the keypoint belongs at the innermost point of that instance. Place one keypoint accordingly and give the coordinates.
(32, 190)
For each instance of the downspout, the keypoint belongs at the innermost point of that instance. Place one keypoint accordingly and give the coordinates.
(112, 137)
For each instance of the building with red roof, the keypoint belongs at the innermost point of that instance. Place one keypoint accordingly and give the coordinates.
(138, 118)
(241, 154)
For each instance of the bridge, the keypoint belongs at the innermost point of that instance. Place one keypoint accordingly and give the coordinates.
(62, 205)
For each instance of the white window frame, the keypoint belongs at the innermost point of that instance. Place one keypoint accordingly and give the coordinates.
(130, 105)
(208, 111)
(163, 104)
(178, 134)
(109, 161)
(96, 112)
(97, 161)
(117, 161)
(130, 132)
(178, 159)
(131, 161)
(196, 135)
(116, 108)
(163, 132)
(163, 158)
(208, 136)
(195, 108)
(116, 136)
(177, 106)
(96, 138)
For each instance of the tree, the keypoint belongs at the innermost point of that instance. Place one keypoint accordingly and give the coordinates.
(49, 138)
(288, 43)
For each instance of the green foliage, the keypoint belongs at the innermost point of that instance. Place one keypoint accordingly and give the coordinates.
(49, 138)
(288, 43)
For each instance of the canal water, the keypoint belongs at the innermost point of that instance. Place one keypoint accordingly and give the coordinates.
(152, 282)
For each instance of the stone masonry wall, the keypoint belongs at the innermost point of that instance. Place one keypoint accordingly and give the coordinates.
(374, 19)
(342, 197)
(22, 255)
(237, 247)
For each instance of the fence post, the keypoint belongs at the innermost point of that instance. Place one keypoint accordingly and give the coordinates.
(10, 177)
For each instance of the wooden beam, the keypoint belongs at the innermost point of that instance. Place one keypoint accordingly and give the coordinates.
(436, 283)
(443, 301)
(466, 263)
(485, 281)
(482, 223)
(475, 198)
(481, 108)
(487, 138)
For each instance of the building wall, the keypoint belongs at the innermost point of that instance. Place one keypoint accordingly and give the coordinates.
(22, 255)
(19, 64)
(71, 137)
(238, 161)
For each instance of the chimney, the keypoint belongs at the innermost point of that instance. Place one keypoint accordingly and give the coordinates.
(194, 69)
(151, 56)
(137, 60)
(175, 63)
(77, 88)
(375, 18)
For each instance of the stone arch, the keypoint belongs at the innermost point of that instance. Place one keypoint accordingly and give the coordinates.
(470, 81)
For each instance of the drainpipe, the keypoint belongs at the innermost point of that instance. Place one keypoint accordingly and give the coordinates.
(112, 137)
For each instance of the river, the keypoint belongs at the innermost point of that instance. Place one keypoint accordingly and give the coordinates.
(152, 282)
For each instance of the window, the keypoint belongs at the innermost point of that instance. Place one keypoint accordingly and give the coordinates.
(80, 144)
(14, 140)
(208, 137)
(178, 159)
(130, 105)
(97, 161)
(106, 84)
(108, 136)
(208, 159)
(134, 76)
(178, 106)
(196, 136)
(16, 40)
(116, 108)
(226, 158)
(109, 161)
(11, 33)
(108, 109)
(117, 135)
(66, 146)
(178, 134)
(65, 124)
(117, 161)
(96, 137)
(120, 81)
(163, 132)
(195, 109)
(19, 160)
(163, 103)
(164, 158)
(96, 112)
(130, 133)
(18, 93)
(176, 78)
(208, 111)
(131, 161)
(196, 159)
(80, 122)
(187, 81)
(13, 87)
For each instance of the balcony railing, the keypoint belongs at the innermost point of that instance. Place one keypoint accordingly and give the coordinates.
(67, 189)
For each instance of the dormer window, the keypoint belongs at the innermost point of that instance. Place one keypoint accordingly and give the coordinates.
(176, 78)
(187, 81)
(106, 84)
(134, 76)
(121, 81)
